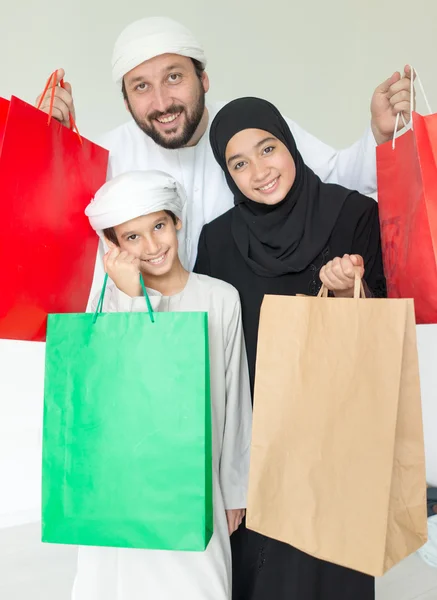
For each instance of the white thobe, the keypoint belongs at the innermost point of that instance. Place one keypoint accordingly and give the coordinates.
(128, 574)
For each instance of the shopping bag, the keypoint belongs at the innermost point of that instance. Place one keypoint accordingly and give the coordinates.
(337, 463)
(407, 197)
(48, 175)
(127, 456)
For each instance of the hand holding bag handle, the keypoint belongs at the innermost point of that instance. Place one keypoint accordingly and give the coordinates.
(52, 80)
(414, 75)
(102, 296)
(358, 287)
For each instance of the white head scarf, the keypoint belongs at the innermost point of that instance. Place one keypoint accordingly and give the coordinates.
(135, 194)
(147, 38)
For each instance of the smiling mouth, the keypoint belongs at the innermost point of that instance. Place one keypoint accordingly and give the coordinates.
(269, 186)
(168, 119)
(158, 260)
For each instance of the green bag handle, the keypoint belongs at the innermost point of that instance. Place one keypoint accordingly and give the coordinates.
(102, 296)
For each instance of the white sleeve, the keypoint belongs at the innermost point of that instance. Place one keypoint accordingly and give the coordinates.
(353, 167)
(99, 274)
(234, 460)
(99, 271)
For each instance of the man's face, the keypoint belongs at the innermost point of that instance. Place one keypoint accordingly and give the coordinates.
(166, 98)
(153, 239)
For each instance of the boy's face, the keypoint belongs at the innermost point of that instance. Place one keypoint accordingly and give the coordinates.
(151, 238)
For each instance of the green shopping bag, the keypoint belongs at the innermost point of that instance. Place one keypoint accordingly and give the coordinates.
(127, 454)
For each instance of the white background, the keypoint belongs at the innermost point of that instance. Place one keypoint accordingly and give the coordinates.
(318, 61)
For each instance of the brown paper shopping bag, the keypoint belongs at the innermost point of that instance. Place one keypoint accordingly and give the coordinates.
(337, 467)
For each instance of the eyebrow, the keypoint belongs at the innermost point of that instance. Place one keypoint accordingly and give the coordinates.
(138, 79)
(128, 233)
(258, 145)
(175, 66)
(155, 222)
(141, 78)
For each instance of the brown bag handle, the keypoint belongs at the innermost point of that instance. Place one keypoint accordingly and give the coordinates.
(358, 287)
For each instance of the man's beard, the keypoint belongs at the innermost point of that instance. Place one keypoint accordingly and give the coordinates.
(167, 140)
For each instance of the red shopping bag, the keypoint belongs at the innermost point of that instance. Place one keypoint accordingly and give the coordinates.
(407, 197)
(48, 175)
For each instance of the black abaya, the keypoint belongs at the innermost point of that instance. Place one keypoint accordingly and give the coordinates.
(237, 248)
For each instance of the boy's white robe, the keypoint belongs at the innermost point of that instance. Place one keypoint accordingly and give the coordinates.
(126, 574)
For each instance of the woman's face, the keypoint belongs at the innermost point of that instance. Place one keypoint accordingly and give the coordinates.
(261, 166)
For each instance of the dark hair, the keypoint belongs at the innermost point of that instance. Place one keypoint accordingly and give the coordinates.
(198, 67)
(110, 234)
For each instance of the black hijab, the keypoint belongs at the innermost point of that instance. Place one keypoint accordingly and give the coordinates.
(287, 237)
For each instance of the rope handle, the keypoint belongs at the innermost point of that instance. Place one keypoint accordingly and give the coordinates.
(52, 81)
(358, 287)
(99, 307)
(414, 75)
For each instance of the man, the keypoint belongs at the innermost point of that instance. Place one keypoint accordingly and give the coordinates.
(141, 216)
(160, 69)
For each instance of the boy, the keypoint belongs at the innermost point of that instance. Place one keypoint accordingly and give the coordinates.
(139, 214)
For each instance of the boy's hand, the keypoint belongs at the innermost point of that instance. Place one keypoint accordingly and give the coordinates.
(234, 517)
(123, 269)
(338, 275)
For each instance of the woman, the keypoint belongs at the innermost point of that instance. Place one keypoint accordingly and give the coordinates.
(285, 235)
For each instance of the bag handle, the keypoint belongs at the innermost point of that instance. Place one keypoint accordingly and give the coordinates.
(358, 287)
(52, 79)
(414, 75)
(102, 296)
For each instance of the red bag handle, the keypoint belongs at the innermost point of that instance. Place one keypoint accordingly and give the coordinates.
(52, 79)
